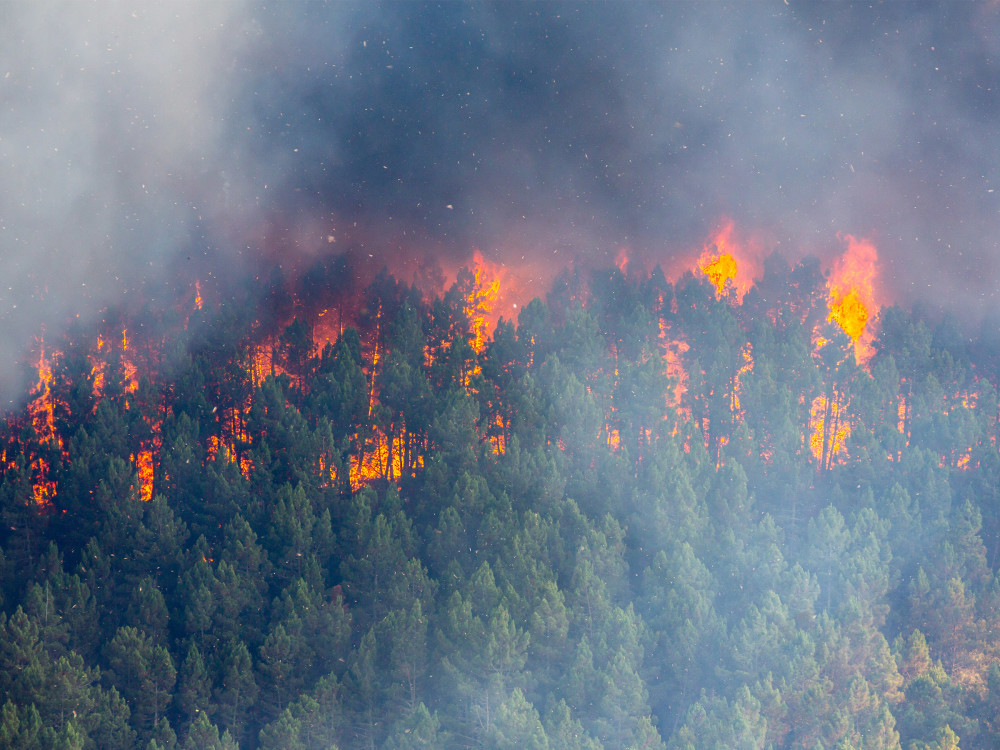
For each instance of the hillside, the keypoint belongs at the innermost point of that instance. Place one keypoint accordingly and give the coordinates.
(646, 513)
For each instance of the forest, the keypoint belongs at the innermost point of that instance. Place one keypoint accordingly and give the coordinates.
(641, 513)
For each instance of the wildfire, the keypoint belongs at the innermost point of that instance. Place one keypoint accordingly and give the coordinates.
(326, 330)
(42, 409)
(143, 461)
(378, 462)
(828, 430)
(727, 264)
(747, 366)
(498, 438)
(674, 351)
(484, 293)
(614, 439)
(97, 367)
(720, 271)
(375, 358)
(621, 260)
(851, 299)
(42, 412)
(129, 368)
(482, 300)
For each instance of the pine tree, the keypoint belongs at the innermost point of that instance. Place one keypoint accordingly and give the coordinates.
(236, 689)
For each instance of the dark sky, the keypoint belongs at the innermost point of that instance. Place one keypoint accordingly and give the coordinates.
(141, 145)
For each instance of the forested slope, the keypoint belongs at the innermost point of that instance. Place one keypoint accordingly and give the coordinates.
(640, 516)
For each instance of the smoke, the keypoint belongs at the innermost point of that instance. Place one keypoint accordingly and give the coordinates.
(142, 147)
(557, 131)
(112, 150)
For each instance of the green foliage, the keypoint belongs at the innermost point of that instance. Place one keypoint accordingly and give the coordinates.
(549, 554)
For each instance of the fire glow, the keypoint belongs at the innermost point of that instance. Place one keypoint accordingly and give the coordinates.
(726, 262)
(42, 412)
(852, 300)
(486, 289)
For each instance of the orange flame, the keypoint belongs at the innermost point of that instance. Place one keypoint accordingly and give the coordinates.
(143, 461)
(499, 436)
(828, 431)
(326, 329)
(614, 439)
(225, 450)
(727, 264)
(747, 355)
(97, 366)
(380, 460)
(130, 371)
(481, 302)
(42, 409)
(673, 352)
(852, 301)
(720, 272)
(42, 412)
(621, 260)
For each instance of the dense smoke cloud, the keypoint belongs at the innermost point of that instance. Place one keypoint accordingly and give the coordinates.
(112, 146)
(147, 143)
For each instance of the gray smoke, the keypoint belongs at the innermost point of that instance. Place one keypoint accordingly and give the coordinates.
(143, 146)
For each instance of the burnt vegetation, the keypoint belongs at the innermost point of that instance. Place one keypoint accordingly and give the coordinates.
(642, 515)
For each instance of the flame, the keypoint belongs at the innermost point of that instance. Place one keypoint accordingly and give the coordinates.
(42, 407)
(727, 264)
(42, 413)
(262, 362)
(747, 354)
(325, 330)
(220, 449)
(851, 299)
(129, 368)
(621, 260)
(499, 436)
(384, 454)
(719, 271)
(614, 439)
(828, 431)
(481, 303)
(381, 459)
(143, 461)
(375, 359)
(97, 366)
(674, 350)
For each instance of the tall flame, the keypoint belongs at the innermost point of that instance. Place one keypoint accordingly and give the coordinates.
(621, 260)
(143, 461)
(720, 271)
(851, 299)
(481, 303)
(130, 370)
(727, 264)
(42, 411)
(42, 408)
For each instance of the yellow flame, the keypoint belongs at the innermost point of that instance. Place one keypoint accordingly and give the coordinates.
(720, 271)
(851, 302)
(143, 461)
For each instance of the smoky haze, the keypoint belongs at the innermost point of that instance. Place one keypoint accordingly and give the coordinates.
(143, 147)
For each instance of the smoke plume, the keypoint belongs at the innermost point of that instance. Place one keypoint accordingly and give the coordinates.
(146, 146)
